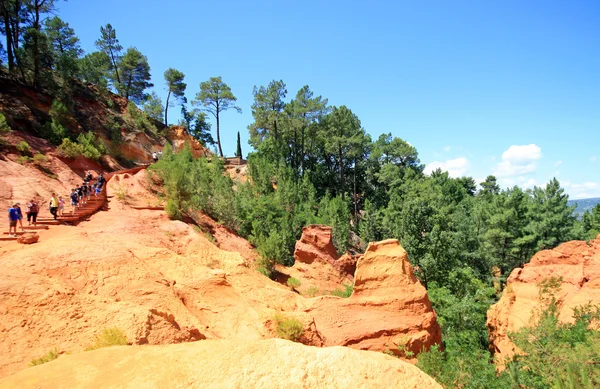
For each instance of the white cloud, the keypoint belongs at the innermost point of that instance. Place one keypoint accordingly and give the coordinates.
(455, 167)
(518, 160)
(558, 163)
(447, 148)
(521, 181)
(593, 159)
(582, 191)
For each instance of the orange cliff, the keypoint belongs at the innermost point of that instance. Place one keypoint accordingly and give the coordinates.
(576, 262)
(162, 281)
(389, 309)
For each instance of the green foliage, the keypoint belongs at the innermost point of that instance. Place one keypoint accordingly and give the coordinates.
(334, 212)
(113, 128)
(134, 72)
(40, 159)
(197, 125)
(173, 212)
(4, 127)
(69, 149)
(94, 68)
(345, 293)
(50, 356)
(312, 291)
(238, 151)
(153, 107)
(293, 282)
(289, 328)
(87, 146)
(555, 354)
(109, 337)
(176, 87)
(23, 159)
(23, 148)
(216, 96)
(137, 120)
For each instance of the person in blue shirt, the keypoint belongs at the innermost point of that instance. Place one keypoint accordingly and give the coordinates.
(13, 218)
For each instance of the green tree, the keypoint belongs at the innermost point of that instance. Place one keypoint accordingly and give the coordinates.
(176, 86)
(35, 9)
(238, 152)
(153, 106)
(109, 44)
(591, 222)
(267, 110)
(215, 96)
(197, 124)
(552, 219)
(94, 68)
(65, 46)
(135, 75)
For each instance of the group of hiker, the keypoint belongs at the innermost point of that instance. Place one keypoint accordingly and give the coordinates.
(79, 196)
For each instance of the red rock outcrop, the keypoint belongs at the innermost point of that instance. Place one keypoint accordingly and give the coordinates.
(317, 265)
(28, 238)
(223, 364)
(576, 262)
(389, 309)
(179, 138)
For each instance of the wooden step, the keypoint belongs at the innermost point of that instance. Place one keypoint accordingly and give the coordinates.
(7, 238)
(49, 222)
(18, 233)
(35, 227)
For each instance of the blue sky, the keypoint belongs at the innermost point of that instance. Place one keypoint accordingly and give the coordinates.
(510, 88)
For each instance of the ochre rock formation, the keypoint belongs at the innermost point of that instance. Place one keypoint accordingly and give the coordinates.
(162, 281)
(577, 262)
(180, 137)
(389, 309)
(317, 265)
(216, 364)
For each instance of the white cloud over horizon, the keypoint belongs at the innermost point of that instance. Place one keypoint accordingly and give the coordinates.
(518, 160)
(455, 167)
(585, 190)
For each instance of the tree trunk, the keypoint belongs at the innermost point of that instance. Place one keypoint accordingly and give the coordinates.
(341, 171)
(218, 131)
(166, 108)
(354, 197)
(36, 43)
(8, 32)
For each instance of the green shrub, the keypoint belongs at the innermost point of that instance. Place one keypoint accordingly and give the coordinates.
(4, 127)
(289, 328)
(23, 159)
(23, 148)
(172, 210)
(40, 159)
(92, 148)
(54, 132)
(265, 266)
(59, 112)
(114, 130)
(109, 337)
(50, 356)
(139, 120)
(293, 282)
(312, 291)
(347, 292)
(69, 149)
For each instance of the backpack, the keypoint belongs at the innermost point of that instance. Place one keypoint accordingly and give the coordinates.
(34, 208)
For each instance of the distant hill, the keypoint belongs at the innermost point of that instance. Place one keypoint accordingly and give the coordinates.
(584, 204)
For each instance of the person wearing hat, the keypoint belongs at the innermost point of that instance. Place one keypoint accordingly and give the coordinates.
(13, 218)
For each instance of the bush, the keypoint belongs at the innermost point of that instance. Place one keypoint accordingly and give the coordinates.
(69, 149)
(293, 282)
(290, 329)
(54, 132)
(139, 120)
(312, 291)
(23, 148)
(4, 127)
(92, 148)
(50, 356)
(23, 159)
(347, 292)
(114, 130)
(40, 159)
(172, 210)
(109, 337)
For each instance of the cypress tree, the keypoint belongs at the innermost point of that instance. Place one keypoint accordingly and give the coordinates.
(238, 152)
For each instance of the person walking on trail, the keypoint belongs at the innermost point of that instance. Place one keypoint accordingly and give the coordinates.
(13, 218)
(155, 157)
(61, 206)
(74, 200)
(32, 211)
(20, 217)
(53, 205)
